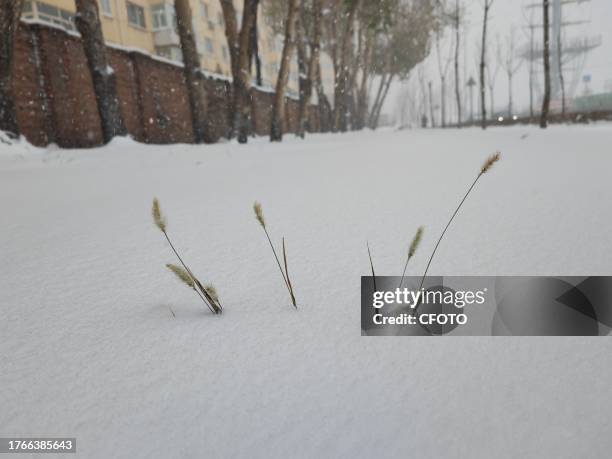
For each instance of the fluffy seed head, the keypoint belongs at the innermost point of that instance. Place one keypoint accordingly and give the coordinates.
(414, 245)
(181, 274)
(158, 218)
(259, 214)
(489, 162)
(212, 292)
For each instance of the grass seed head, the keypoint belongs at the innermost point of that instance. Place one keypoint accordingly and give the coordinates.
(259, 214)
(158, 218)
(414, 245)
(181, 274)
(489, 162)
(212, 292)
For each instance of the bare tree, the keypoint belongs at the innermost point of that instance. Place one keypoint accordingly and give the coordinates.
(423, 93)
(530, 35)
(401, 48)
(483, 54)
(369, 37)
(278, 109)
(307, 43)
(104, 80)
(507, 60)
(10, 11)
(374, 21)
(342, 68)
(492, 73)
(443, 65)
(254, 49)
(191, 70)
(313, 65)
(431, 105)
(561, 77)
(238, 44)
(546, 101)
(457, 19)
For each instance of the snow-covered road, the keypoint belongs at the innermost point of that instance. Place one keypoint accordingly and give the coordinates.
(90, 349)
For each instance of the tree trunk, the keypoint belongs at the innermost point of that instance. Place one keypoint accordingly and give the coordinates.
(325, 108)
(238, 44)
(332, 42)
(191, 70)
(382, 101)
(302, 59)
(379, 93)
(340, 92)
(378, 108)
(362, 93)
(352, 89)
(531, 57)
(457, 45)
(104, 80)
(9, 22)
(431, 106)
(443, 101)
(315, 47)
(278, 109)
(561, 78)
(546, 101)
(254, 50)
(509, 111)
(483, 104)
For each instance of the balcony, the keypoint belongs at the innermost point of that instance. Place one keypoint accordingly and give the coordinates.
(166, 37)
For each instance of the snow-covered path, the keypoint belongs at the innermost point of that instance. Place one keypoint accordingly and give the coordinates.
(89, 347)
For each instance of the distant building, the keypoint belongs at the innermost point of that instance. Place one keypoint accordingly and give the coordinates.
(150, 26)
(593, 103)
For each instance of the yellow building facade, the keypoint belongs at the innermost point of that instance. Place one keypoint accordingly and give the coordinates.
(149, 26)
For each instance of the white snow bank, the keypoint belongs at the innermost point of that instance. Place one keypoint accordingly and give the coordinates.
(91, 350)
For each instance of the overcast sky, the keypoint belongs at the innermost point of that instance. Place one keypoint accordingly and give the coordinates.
(506, 14)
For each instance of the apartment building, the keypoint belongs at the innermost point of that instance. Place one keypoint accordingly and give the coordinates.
(150, 26)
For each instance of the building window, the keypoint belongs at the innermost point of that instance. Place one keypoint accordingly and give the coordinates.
(106, 7)
(220, 19)
(203, 10)
(210, 48)
(224, 52)
(136, 15)
(160, 18)
(51, 14)
(27, 12)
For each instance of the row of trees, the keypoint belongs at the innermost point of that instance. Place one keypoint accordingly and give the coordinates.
(509, 65)
(371, 44)
(451, 15)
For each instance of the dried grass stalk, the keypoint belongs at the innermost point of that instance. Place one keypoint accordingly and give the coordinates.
(486, 167)
(183, 273)
(371, 266)
(260, 218)
(287, 275)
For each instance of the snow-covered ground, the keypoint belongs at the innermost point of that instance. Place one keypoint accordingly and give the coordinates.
(90, 349)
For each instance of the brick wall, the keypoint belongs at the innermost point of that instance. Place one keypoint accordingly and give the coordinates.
(56, 102)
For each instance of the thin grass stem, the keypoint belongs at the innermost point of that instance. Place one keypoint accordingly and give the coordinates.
(371, 266)
(278, 263)
(287, 274)
(193, 278)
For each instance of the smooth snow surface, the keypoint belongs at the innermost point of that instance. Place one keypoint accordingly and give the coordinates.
(89, 347)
